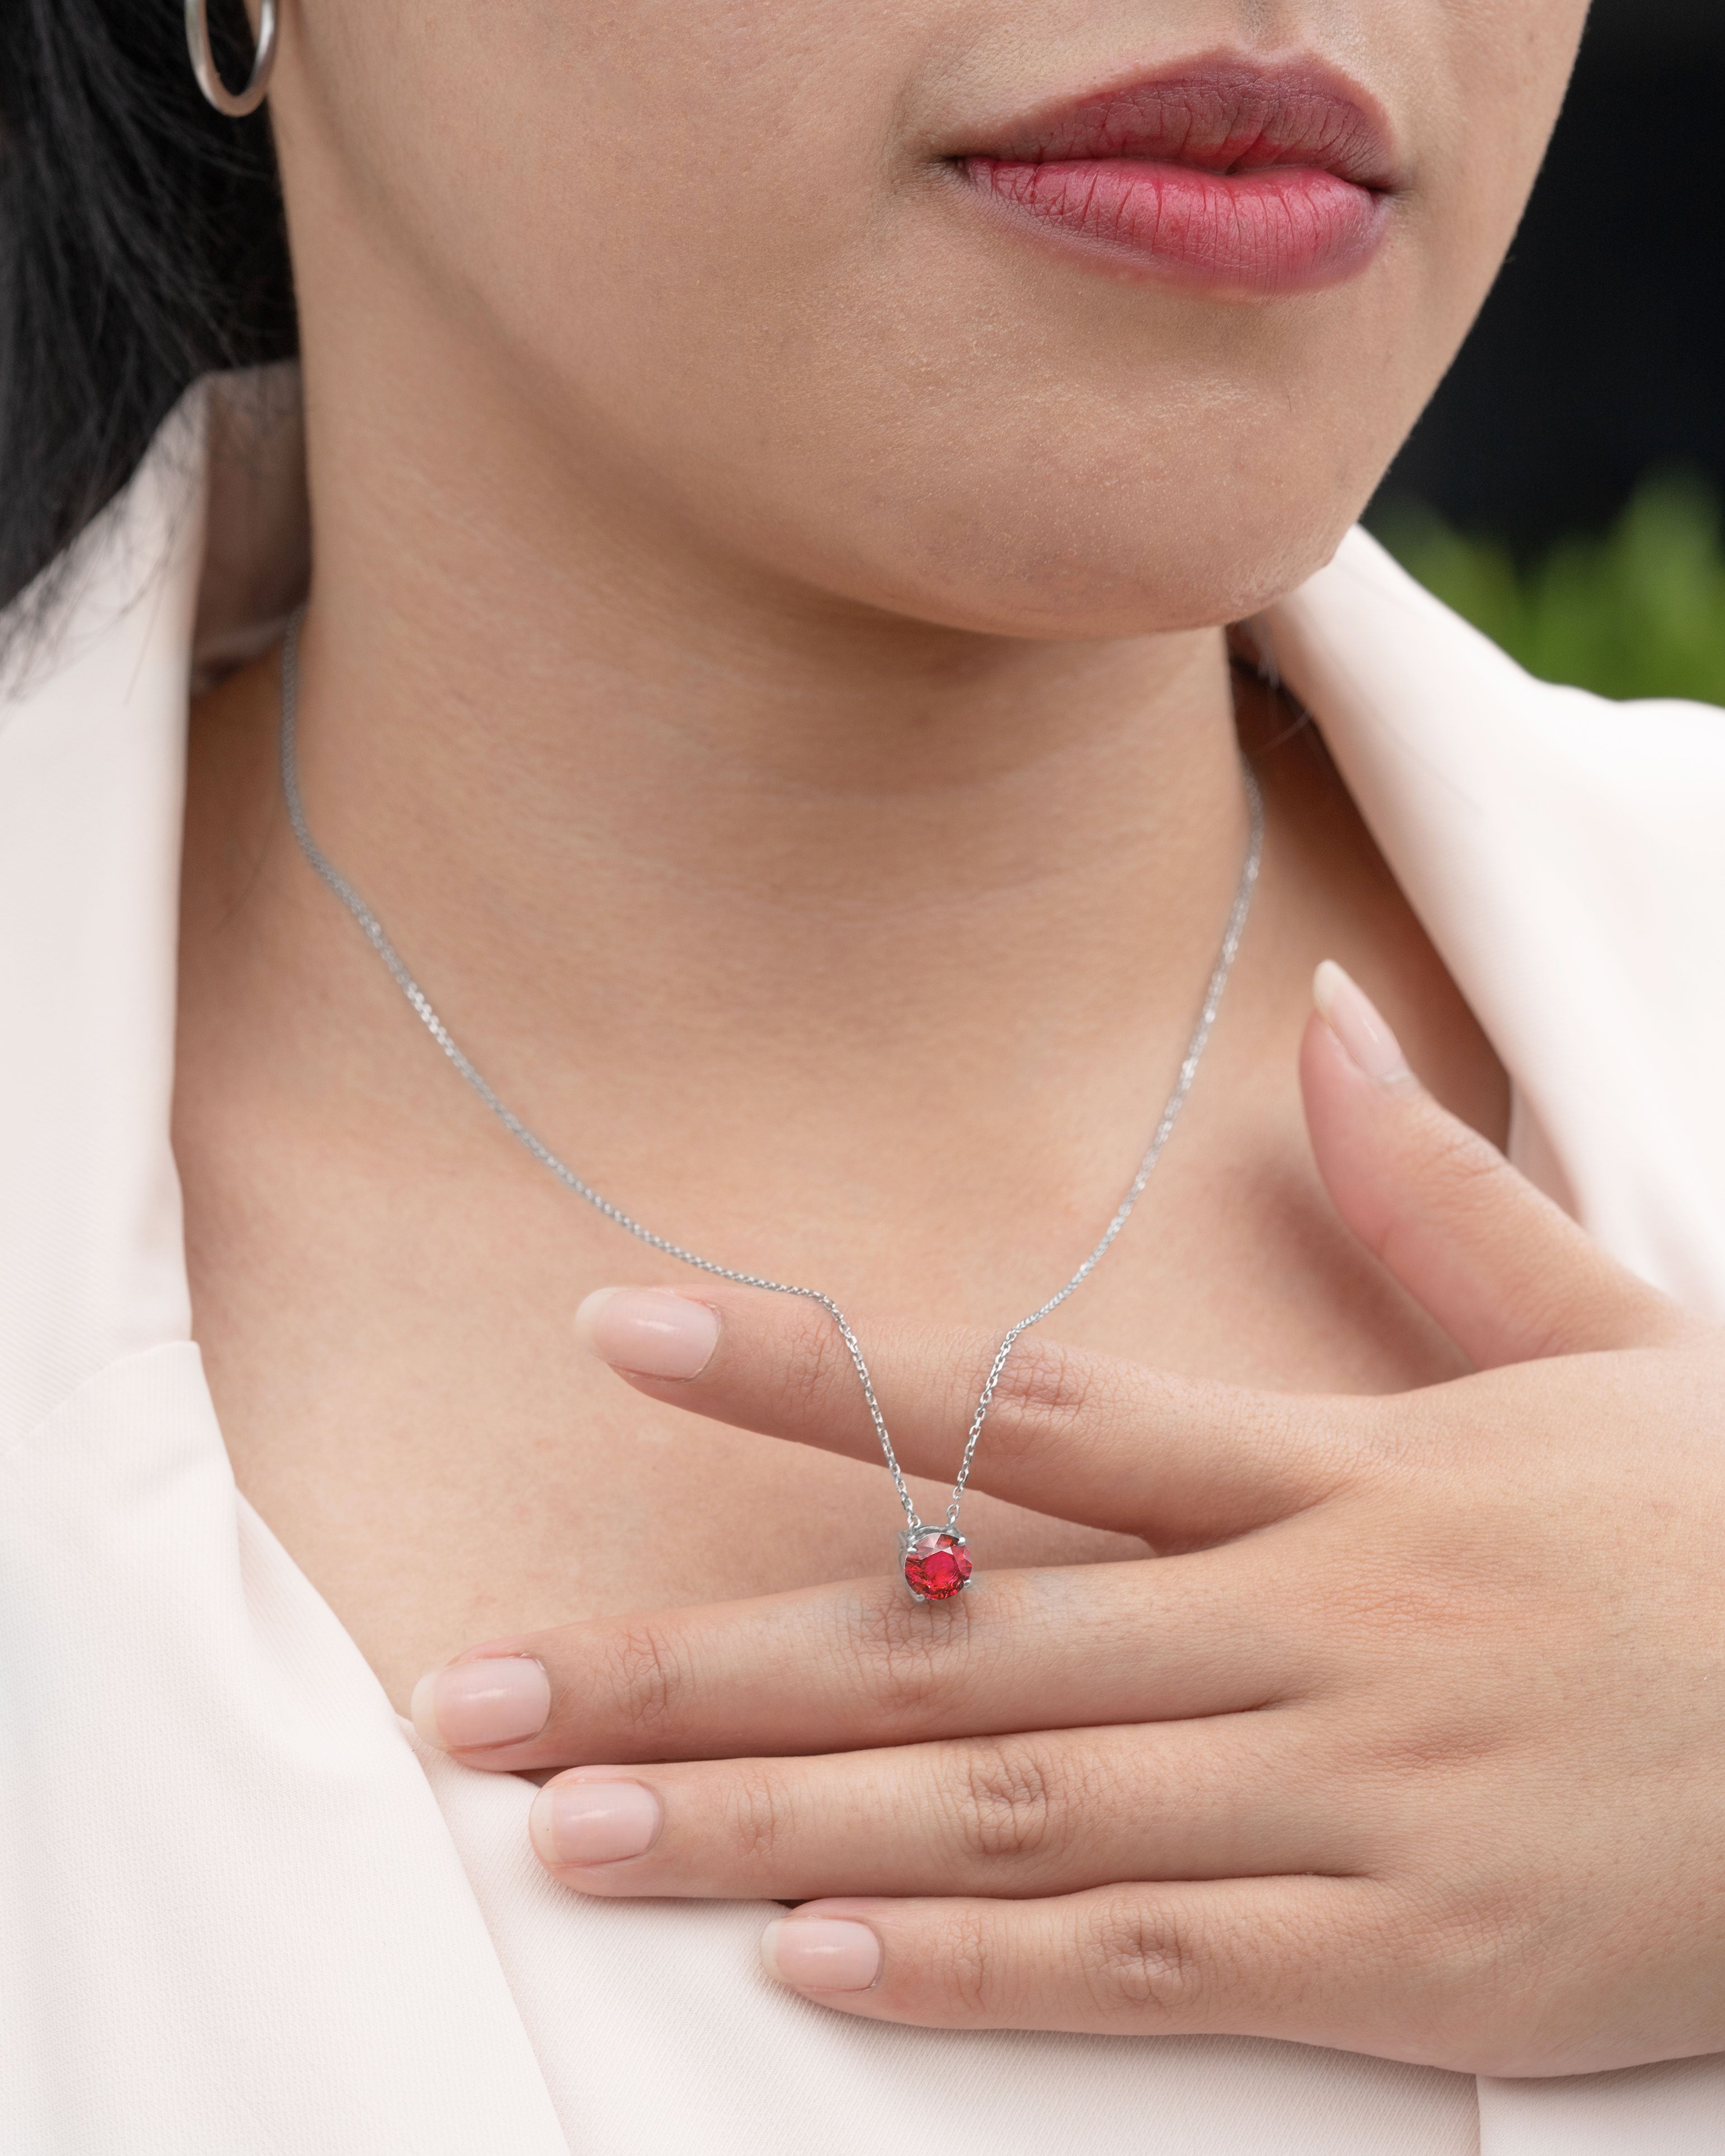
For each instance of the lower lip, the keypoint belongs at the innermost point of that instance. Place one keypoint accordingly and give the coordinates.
(1291, 228)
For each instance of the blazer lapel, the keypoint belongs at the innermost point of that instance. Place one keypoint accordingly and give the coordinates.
(231, 1916)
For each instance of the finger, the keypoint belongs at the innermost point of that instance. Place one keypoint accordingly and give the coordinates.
(1307, 1958)
(858, 1663)
(1507, 1274)
(1050, 1812)
(1091, 1438)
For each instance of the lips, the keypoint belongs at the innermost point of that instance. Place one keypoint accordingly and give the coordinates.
(1235, 177)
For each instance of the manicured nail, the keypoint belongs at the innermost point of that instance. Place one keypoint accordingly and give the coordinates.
(498, 1701)
(654, 1331)
(821, 1954)
(594, 1822)
(1358, 1025)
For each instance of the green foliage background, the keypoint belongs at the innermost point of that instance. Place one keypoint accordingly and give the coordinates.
(1637, 611)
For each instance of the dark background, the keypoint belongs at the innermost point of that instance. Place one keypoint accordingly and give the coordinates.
(1600, 354)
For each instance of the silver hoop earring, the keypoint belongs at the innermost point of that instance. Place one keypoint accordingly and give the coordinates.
(236, 104)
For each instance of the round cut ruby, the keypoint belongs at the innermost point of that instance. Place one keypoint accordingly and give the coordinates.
(936, 1566)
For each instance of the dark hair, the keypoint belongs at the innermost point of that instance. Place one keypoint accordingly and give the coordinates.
(141, 245)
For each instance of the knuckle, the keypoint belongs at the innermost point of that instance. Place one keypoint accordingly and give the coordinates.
(1482, 1953)
(1009, 1799)
(642, 1673)
(1138, 1961)
(1552, 1315)
(1348, 1444)
(1419, 1755)
(1472, 1170)
(810, 1377)
(1045, 1390)
(1483, 1923)
(1454, 1166)
(1468, 1184)
(1388, 1435)
(1453, 1174)
(1394, 1595)
(909, 1669)
(759, 1811)
(962, 1957)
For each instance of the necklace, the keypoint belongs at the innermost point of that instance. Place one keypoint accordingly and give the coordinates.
(935, 1560)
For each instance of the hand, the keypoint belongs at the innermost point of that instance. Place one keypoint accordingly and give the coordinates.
(1416, 1747)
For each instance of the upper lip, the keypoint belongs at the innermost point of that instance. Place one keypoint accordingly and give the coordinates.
(1226, 114)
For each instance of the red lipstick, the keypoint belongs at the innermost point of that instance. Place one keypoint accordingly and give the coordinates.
(1226, 175)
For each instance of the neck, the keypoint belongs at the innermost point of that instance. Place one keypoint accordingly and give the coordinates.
(735, 837)
(657, 827)
(657, 772)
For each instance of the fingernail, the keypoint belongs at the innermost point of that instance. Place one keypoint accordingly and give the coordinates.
(594, 1822)
(821, 1954)
(497, 1700)
(1358, 1025)
(654, 1331)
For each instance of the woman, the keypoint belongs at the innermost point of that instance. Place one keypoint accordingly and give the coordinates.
(776, 480)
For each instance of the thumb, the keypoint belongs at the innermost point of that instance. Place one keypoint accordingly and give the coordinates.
(1507, 1274)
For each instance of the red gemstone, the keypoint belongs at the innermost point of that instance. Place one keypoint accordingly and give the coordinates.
(936, 1566)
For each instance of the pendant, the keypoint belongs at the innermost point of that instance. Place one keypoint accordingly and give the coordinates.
(937, 1562)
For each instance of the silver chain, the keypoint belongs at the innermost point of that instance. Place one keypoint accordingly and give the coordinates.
(542, 1153)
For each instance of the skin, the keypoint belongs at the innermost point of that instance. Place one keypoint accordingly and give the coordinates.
(1202, 1792)
(763, 667)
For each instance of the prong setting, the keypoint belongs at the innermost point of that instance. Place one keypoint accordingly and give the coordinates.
(936, 1561)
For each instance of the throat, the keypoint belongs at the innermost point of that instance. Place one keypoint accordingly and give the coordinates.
(937, 909)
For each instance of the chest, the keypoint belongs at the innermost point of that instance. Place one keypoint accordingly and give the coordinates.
(391, 1349)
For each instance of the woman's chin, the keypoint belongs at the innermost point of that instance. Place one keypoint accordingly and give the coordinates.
(1016, 583)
